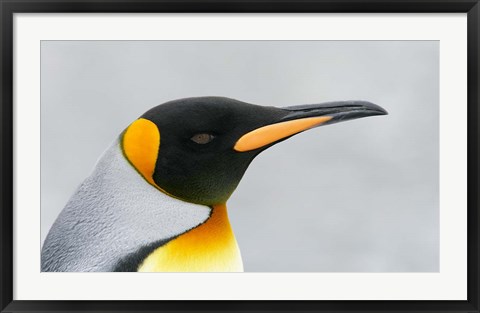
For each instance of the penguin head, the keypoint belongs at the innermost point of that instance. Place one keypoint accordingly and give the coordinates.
(197, 149)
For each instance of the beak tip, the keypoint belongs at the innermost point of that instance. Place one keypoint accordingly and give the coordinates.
(382, 111)
(373, 108)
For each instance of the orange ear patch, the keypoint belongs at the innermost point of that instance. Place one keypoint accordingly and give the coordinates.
(263, 136)
(141, 143)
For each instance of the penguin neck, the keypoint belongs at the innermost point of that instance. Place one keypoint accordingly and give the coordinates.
(208, 247)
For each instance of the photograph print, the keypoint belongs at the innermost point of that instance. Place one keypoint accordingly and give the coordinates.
(239, 156)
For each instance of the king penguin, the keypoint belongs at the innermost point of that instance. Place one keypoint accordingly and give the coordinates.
(156, 200)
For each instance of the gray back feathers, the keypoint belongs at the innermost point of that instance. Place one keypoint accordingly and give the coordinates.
(113, 213)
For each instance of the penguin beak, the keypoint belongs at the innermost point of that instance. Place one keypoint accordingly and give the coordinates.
(303, 117)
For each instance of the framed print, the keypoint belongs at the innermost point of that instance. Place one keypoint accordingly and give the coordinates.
(246, 156)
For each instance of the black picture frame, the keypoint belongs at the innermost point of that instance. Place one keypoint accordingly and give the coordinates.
(9, 7)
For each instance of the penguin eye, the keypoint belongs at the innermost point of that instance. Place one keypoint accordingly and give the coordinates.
(202, 139)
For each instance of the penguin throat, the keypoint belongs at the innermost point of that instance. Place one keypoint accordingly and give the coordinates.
(209, 247)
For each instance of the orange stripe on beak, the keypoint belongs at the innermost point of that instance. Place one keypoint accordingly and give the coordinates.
(266, 135)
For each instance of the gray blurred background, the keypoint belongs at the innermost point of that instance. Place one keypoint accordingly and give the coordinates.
(360, 196)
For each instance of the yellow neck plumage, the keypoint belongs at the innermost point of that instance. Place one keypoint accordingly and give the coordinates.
(209, 247)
